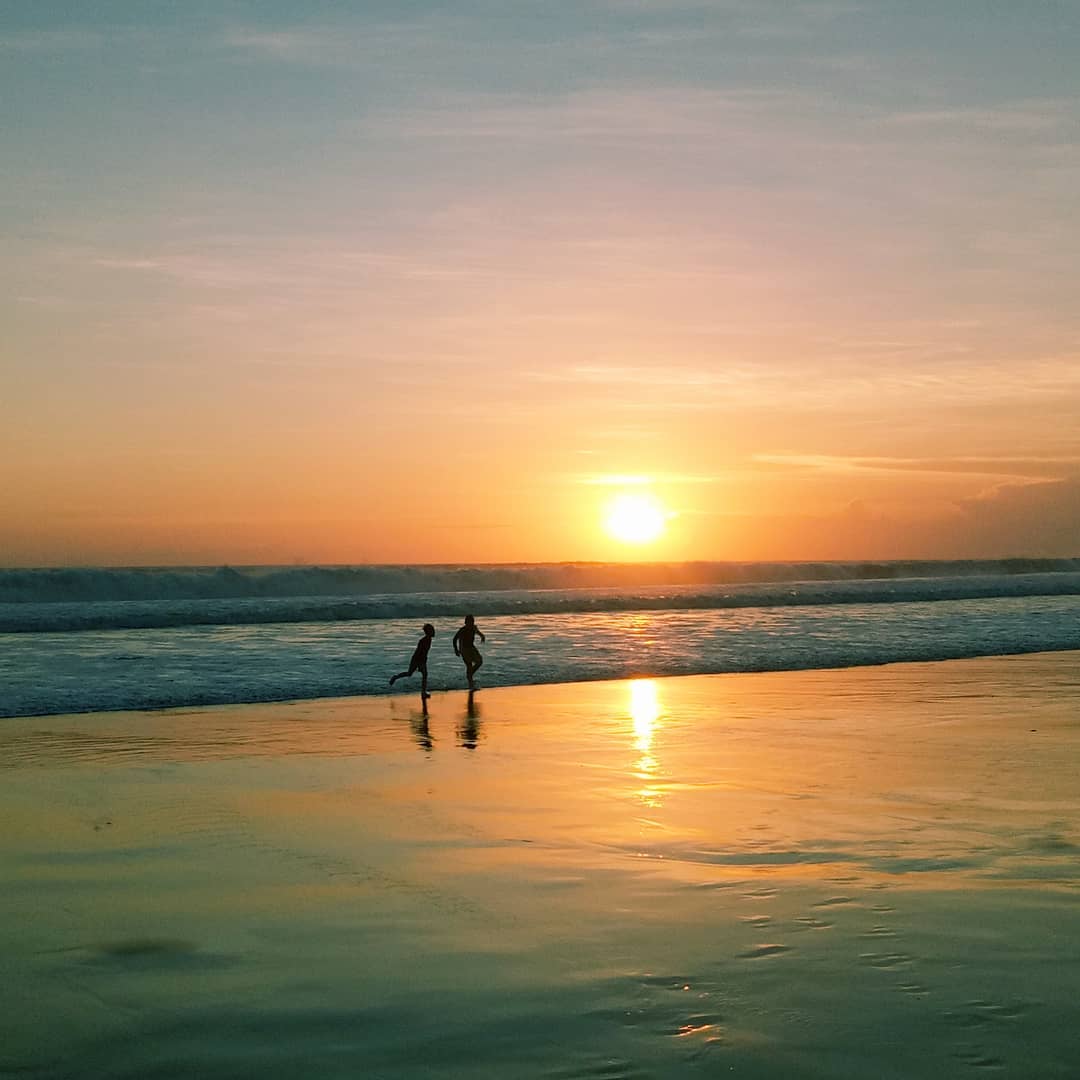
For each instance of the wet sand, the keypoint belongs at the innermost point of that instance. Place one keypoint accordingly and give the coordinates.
(862, 873)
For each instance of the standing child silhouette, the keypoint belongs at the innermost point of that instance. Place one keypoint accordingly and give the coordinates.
(465, 647)
(419, 661)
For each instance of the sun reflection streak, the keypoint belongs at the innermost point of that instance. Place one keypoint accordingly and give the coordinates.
(645, 713)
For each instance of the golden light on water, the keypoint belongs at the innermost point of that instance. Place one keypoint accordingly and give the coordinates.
(635, 519)
(645, 713)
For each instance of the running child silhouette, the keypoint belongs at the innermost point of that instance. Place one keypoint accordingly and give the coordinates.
(419, 661)
(465, 647)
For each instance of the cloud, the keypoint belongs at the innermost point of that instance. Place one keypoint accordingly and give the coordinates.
(1053, 468)
(626, 114)
(107, 262)
(291, 44)
(647, 376)
(295, 265)
(620, 480)
(1028, 117)
(610, 27)
(1041, 518)
(1015, 520)
(50, 41)
(345, 46)
(816, 378)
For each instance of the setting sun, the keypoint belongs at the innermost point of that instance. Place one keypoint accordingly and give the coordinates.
(635, 519)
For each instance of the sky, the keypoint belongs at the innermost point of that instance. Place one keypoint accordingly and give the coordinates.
(434, 282)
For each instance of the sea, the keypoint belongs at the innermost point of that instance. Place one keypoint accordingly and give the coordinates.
(96, 639)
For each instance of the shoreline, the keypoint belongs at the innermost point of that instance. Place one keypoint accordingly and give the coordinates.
(438, 692)
(828, 873)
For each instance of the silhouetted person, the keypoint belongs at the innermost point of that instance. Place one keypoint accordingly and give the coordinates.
(465, 647)
(419, 661)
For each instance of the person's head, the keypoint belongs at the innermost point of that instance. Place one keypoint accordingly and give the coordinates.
(429, 630)
(469, 620)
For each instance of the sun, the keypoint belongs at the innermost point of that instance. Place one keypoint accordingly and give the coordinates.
(635, 519)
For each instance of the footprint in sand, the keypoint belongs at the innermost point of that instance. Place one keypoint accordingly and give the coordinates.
(886, 961)
(894, 962)
(675, 1007)
(703, 1025)
(756, 920)
(145, 954)
(759, 952)
(983, 1013)
(606, 1069)
(834, 901)
(669, 982)
(809, 922)
(979, 1059)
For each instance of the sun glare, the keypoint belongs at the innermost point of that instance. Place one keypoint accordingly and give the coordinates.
(635, 519)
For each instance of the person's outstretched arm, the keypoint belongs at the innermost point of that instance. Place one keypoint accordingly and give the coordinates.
(457, 638)
(480, 633)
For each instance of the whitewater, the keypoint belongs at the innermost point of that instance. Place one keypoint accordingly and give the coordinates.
(77, 640)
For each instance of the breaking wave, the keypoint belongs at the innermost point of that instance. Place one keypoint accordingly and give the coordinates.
(79, 585)
(101, 599)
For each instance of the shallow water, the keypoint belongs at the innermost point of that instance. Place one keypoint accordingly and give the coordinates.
(96, 670)
(867, 873)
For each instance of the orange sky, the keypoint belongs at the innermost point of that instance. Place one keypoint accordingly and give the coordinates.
(394, 289)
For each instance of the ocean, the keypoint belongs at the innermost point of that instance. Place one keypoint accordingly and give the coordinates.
(79, 640)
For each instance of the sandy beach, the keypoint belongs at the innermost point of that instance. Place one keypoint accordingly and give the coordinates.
(872, 872)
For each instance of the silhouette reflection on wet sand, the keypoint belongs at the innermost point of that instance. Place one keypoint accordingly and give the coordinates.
(468, 728)
(421, 730)
(468, 731)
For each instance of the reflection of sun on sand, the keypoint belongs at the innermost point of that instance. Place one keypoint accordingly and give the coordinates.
(645, 714)
(835, 873)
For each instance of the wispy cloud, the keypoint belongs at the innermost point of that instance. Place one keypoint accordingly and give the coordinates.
(1033, 468)
(288, 44)
(660, 376)
(592, 115)
(1027, 117)
(121, 263)
(299, 266)
(811, 376)
(610, 27)
(622, 480)
(313, 46)
(401, 44)
(50, 41)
